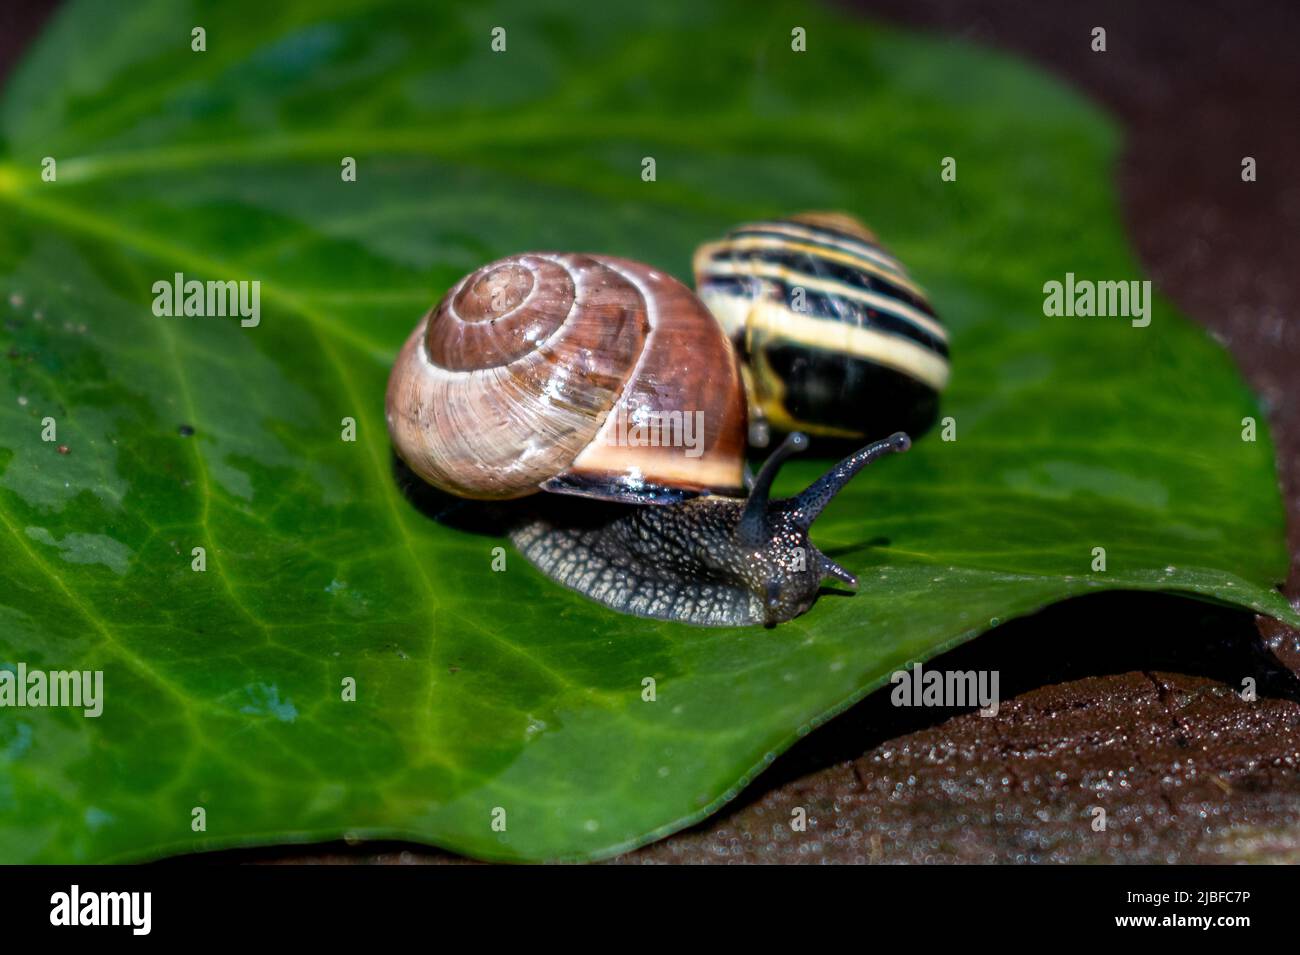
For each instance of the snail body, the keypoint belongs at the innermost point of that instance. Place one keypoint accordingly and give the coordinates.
(535, 372)
(834, 336)
(710, 561)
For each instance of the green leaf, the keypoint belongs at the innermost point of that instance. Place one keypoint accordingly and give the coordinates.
(478, 690)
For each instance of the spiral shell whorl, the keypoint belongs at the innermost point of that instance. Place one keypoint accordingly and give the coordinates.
(499, 314)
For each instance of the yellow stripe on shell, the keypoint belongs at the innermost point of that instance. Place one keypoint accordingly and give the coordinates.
(780, 418)
(851, 259)
(731, 311)
(797, 277)
(901, 354)
(768, 392)
(844, 243)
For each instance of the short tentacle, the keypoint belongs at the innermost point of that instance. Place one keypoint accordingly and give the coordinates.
(831, 569)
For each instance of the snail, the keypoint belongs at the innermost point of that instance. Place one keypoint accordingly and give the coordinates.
(577, 375)
(834, 337)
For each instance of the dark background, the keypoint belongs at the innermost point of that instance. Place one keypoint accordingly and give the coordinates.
(1119, 701)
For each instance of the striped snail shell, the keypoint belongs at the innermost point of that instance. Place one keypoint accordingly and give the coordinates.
(534, 371)
(835, 337)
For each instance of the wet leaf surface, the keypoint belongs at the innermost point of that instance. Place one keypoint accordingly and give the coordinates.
(478, 690)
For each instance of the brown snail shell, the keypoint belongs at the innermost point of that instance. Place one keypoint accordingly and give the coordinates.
(530, 372)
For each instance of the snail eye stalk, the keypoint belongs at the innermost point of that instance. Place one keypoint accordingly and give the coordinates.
(810, 504)
(752, 529)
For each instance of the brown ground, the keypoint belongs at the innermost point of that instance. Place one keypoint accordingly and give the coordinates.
(1120, 702)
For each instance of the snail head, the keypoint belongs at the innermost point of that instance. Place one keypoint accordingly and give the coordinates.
(786, 570)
